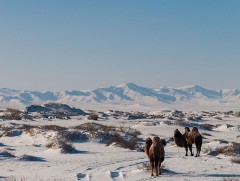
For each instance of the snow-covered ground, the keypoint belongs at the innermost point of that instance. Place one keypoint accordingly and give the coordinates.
(94, 160)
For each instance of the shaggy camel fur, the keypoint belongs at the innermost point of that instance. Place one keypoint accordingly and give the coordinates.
(180, 140)
(156, 155)
(147, 146)
(194, 137)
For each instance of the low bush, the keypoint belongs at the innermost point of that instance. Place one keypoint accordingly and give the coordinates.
(62, 144)
(206, 126)
(93, 116)
(229, 150)
(235, 160)
(206, 134)
(6, 153)
(231, 179)
(73, 135)
(54, 128)
(29, 158)
(120, 141)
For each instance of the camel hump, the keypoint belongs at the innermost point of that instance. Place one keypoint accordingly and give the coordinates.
(187, 129)
(195, 129)
(156, 139)
(149, 140)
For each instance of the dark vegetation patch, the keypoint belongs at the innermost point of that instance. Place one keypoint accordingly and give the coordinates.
(206, 134)
(230, 179)
(62, 144)
(30, 158)
(207, 127)
(93, 116)
(235, 160)
(53, 128)
(229, 150)
(6, 153)
(131, 144)
(221, 141)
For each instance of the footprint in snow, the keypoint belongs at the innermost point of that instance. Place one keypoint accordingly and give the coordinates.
(115, 174)
(81, 176)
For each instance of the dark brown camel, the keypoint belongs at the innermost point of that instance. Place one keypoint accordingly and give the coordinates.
(180, 140)
(156, 155)
(194, 137)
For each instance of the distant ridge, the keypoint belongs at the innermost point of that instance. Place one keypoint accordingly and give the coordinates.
(125, 94)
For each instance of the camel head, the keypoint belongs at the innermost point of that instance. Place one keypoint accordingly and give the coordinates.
(148, 141)
(176, 132)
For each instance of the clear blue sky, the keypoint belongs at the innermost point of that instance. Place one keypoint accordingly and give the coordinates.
(86, 44)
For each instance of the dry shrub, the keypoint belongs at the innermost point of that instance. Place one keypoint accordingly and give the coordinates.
(209, 151)
(26, 127)
(221, 141)
(63, 145)
(6, 153)
(130, 131)
(120, 141)
(230, 179)
(13, 114)
(53, 128)
(229, 150)
(93, 116)
(206, 126)
(11, 133)
(235, 160)
(15, 179)
(93, 127)
(206, 134)
(12, 178)
(73, 135)
(180, 121)
(29, 158)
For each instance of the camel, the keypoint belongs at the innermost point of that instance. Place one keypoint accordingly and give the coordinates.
(180, 140)
(194, 137)
(156, 155)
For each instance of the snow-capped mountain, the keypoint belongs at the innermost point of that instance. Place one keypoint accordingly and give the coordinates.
(126, 94)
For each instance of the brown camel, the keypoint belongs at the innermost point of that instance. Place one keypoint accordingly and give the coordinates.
(180, 140)
(156, 155)
(194, 137)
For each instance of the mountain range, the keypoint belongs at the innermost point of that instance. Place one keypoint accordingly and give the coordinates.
(125, 94)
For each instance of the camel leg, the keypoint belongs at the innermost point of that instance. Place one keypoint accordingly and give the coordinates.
(159, 168)
(156, 167)
(190, 148)
(196, 152)
(199, 150)
(151, 167)
(186, 148)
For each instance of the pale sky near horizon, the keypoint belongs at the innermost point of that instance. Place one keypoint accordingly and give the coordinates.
(86, 44)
